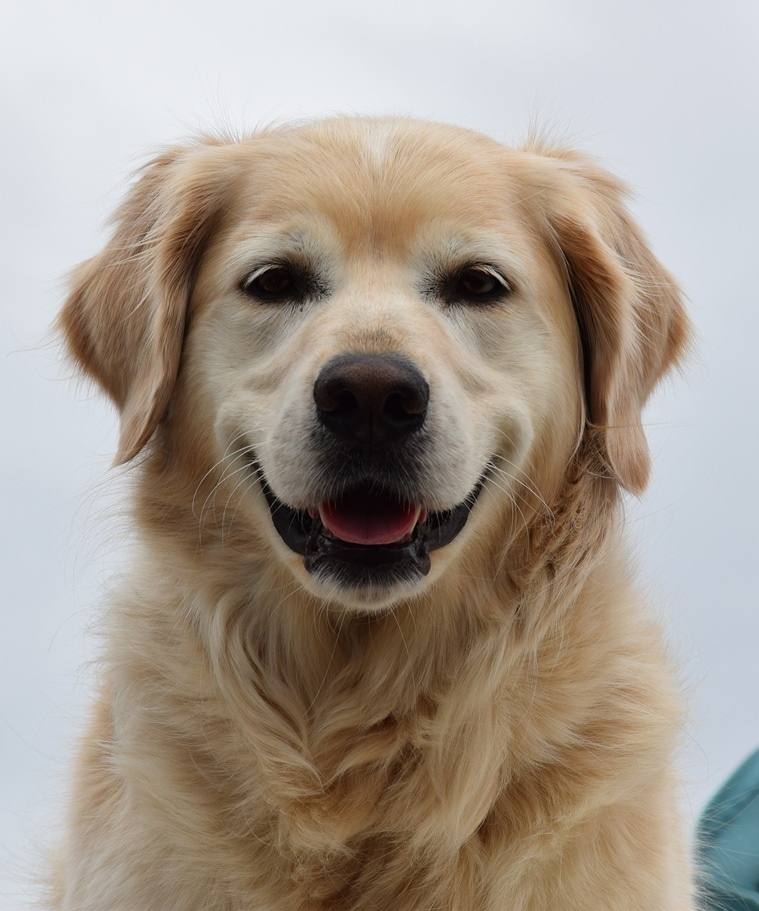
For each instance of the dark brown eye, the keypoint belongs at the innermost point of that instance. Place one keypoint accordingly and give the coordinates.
(477, 283)
(275, 283)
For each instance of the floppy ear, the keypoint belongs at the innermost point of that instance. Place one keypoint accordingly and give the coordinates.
(629, 309)
(124, 318)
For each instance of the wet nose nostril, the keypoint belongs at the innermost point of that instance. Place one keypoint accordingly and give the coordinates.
(371, 398)
(401, 406)
(347, 405)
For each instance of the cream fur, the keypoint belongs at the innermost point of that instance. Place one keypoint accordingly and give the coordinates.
(496, 736)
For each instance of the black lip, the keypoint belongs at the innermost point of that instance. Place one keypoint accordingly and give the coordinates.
(360, 565)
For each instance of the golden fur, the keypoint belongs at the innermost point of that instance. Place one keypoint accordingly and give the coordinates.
(495, 735)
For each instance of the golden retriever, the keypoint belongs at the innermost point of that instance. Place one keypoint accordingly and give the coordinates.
(379, 647)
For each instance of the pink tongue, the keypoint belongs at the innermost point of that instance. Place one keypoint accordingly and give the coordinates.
(367, 519)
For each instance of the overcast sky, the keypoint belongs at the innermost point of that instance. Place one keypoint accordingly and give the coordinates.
(665, 93)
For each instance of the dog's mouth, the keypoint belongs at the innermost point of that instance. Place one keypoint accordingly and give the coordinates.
(368, 536)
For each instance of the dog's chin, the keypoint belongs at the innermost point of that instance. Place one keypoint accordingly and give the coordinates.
(368, 550)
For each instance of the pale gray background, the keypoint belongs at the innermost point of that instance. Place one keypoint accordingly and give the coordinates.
(664, 92)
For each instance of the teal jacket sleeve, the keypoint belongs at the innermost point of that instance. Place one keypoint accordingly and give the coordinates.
(728, 843)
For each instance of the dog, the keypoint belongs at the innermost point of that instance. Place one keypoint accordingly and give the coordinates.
(380, 385)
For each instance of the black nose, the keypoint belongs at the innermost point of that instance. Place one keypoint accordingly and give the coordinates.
(371, 398)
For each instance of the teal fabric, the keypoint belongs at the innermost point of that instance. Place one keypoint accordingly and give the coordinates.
(728, 843)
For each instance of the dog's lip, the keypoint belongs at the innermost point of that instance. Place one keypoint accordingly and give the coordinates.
(430, 530)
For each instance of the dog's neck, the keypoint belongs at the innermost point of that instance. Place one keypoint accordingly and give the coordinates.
(333, 709)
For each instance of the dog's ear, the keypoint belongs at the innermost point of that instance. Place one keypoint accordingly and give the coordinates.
(124, 318)
(629, 309)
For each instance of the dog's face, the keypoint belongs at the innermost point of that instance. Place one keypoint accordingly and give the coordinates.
(395, 334)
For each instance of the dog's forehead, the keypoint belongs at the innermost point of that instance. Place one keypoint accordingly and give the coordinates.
(380, 182)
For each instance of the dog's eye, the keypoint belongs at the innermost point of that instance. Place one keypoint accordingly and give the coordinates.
(475, 284)
(274, 283)
(478, 283)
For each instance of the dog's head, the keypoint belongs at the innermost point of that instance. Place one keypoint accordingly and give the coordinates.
(378, 334)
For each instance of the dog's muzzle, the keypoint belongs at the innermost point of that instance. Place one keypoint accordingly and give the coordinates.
(370, 411)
